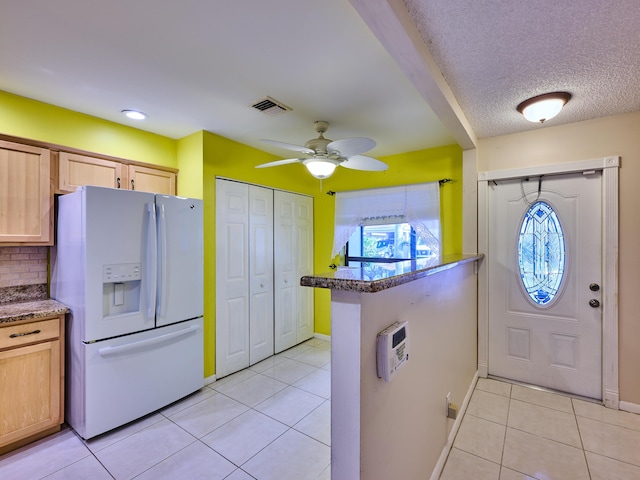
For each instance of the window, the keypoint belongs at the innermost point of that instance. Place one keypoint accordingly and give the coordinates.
(385, 243)
(389, 224)
(541, 253)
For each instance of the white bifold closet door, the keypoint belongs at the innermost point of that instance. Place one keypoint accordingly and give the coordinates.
(293, 247)
(244, 275)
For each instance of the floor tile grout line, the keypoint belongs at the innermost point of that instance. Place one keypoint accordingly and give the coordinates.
(584, 451)
(610, 424)
(506, 427)
(166, 458)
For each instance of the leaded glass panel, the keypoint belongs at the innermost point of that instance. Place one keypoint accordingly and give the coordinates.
(541, 253)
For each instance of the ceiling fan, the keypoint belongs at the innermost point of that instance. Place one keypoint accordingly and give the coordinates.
(324, 155)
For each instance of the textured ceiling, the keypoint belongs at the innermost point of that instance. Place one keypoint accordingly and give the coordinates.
(495, 54)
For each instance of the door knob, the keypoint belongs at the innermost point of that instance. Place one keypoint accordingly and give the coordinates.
(594, 287)
(594, 303)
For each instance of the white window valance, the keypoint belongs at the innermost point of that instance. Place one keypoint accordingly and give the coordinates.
(417, 205)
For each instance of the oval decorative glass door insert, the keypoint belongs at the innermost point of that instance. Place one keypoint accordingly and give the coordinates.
(541, 253)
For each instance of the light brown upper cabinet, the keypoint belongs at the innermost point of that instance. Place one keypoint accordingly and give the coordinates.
(26, 196)
(152, 180)
(75, 170)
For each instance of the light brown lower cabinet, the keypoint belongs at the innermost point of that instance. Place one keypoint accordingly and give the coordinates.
(31, 380)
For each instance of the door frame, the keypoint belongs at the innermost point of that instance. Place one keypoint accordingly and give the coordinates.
(610, 169)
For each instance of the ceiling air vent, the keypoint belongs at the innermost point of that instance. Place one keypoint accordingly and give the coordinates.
(270, 106)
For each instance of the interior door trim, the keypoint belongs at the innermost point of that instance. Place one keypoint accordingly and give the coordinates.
(610, 205)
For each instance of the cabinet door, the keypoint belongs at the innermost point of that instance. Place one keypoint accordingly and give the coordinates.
(151, 180)
(260, 273)
(76, 170)
(29, 390)
(293, 258)
(26, 197)
(304, 265)
(232, 277)
(285, 288)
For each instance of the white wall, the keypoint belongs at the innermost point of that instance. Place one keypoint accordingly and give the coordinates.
(610, 136)
(402, 424)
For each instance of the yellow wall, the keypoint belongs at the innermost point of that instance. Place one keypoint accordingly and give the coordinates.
(610, 136)
(202, 156)
(190, 175)
(26, 118)
(225, 158)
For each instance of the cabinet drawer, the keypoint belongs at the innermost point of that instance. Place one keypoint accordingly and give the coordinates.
(26, 333)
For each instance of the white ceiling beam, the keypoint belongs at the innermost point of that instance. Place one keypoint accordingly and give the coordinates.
(391, 23)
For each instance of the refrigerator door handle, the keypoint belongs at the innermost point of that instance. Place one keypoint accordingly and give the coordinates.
(144, 344)
(161, 294)
(151, 260)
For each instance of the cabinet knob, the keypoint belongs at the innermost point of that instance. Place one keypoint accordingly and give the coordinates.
(118, 181)
(133, 187)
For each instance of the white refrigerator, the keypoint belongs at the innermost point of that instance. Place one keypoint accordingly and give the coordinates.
(130, 267)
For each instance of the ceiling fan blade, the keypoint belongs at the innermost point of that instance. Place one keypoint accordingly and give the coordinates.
(347, 147)
(279, 162)
(362, 162)
(289, 146)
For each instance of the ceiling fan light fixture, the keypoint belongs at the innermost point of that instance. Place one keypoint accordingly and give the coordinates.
(543, 107)
(321, 168)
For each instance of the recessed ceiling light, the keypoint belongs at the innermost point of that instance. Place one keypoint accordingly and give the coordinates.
(135, 114)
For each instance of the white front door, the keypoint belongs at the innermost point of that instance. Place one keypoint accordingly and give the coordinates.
(544, 281)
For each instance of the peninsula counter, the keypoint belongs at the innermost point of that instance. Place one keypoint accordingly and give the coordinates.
(398, 429)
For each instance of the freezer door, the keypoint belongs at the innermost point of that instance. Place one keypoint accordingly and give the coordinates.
(119, 380)
(180, 259)
(120, 254)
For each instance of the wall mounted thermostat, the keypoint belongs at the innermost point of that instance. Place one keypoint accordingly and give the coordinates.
(392, 349)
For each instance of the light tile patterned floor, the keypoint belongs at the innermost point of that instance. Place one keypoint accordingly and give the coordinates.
(271, 421)
(511, 432)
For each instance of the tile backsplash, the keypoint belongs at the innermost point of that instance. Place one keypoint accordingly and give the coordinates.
(23, 266)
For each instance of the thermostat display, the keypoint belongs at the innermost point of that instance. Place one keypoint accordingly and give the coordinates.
(392, 349)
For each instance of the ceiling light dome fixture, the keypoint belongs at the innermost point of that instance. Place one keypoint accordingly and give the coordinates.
(135, 114)
(321, 167)
(543, 107)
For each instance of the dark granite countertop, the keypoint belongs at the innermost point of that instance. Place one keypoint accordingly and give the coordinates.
(13, 312)
(376, 277)
(28, 302)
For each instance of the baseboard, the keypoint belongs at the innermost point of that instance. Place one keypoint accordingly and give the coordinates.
(437, 470)
(629, 407)
(209, 380)
(322, 336)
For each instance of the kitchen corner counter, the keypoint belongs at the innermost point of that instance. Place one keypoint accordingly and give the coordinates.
(28, 310)
(381, 276)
